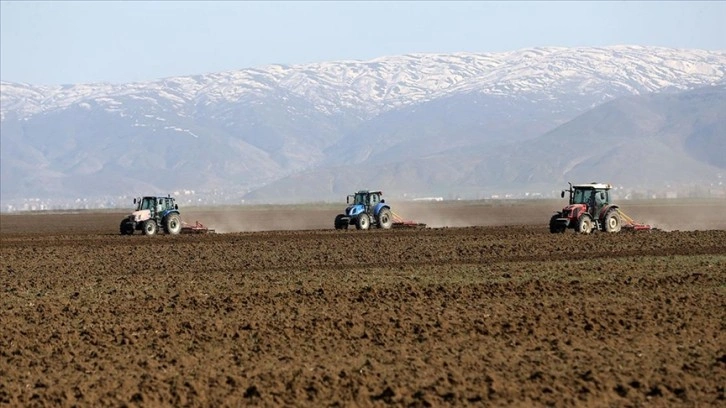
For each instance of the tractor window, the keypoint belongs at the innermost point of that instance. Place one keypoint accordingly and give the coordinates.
(146, 204)
(374, 199)
(581, 196)
(360, 199)
(600, 200)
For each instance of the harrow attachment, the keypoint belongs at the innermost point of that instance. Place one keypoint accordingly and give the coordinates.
(196, 228)
(399, 222)
(631, 225)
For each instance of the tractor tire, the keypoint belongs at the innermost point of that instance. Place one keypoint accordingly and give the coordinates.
(385, 219)
(555, 227)
(612, 221)
(172, 224)
(584, 224)
(126, 228)
(363, 222)
(340, 223)
(150, 227)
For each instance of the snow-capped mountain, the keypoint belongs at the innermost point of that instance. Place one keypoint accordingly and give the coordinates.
(378, 85)
(240, 130)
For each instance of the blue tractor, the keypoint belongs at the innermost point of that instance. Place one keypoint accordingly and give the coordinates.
(365, 209)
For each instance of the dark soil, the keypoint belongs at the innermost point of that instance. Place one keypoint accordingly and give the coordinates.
(496, 315)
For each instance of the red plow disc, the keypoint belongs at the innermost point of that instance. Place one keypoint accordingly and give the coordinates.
(197, 228)
(399, 222)
(638, 227)
(632, 225)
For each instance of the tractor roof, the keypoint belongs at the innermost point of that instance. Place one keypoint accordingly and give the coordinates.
(158, 197)
(594, 186)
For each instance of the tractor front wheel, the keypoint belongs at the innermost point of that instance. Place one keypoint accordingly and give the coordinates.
(150, 227)
(126, 228)
(340, 223)
(363, 222)
(556, 227)
(385, 220)
(584, 224)
(173, 224)
(612, 221)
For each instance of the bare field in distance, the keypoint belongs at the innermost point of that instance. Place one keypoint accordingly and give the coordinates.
(669, 215)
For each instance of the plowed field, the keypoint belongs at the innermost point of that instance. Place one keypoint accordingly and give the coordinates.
(490, 314)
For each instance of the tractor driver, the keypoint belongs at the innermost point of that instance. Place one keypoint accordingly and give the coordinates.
(374, 199)
(591, 202)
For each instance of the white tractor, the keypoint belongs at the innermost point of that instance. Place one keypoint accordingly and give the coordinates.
(153, 214)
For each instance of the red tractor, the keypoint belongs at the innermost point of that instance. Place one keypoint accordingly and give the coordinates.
(589, 210)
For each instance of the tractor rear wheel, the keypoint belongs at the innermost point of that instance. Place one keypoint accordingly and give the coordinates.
(584, 224)
(340, 223)
(556, 227)
(173, 224)
(150, 227)
(612, 221)
(363, 222)
(385, 220)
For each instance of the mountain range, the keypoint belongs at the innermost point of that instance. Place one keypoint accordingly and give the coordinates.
(457, 125)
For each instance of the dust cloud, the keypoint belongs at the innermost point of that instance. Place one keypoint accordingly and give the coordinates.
(679, 215)
(666, 215)
(272, 218)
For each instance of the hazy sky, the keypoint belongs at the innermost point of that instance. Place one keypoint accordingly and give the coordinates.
(62, 42)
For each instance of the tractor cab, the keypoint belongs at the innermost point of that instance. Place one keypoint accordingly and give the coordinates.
(155, 204)
(595, 196)
(146, 203)
(366, 198)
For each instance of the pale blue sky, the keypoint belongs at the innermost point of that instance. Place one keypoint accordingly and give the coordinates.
(63, 42)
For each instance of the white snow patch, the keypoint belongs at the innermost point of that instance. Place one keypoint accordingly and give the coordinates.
(178, 129)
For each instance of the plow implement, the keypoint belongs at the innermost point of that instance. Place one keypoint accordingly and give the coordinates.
(196, 228)
(631, 225)
(399, 222)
